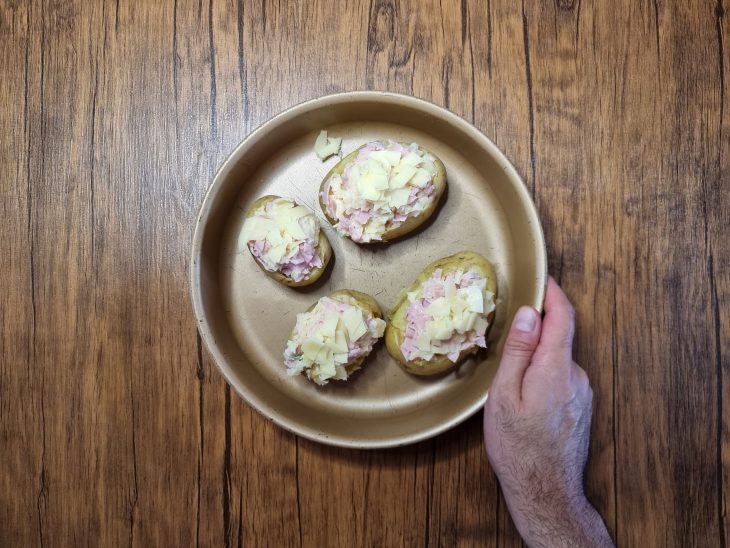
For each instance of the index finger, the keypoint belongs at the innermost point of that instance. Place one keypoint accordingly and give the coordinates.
(558, 325)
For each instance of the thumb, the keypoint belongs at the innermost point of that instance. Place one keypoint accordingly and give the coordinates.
(523, 337)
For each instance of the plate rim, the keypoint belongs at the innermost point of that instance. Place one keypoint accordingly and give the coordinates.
(203, 327)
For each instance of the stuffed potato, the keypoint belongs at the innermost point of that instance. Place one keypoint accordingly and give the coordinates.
(443, 316)
(286, 241)
(334, 336)
(382, 191)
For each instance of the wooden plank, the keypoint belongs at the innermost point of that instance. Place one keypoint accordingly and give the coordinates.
(717, 201)
(21, 422)
(691, 165)
(73, 388)
(194, 81)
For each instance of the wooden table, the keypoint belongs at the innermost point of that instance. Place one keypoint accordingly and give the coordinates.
(116, 427)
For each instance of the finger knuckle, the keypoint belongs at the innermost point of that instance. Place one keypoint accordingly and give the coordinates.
(553, 361)
(570, 311)
(566, 341)
(518, 346)
(587, 384)
(580, 373)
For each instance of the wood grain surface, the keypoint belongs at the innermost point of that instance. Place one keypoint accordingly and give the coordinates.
(116, 429)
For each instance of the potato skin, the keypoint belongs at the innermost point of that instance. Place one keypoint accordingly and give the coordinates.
(323, 247)
(394, 332)
(356, 298)
(410, 224)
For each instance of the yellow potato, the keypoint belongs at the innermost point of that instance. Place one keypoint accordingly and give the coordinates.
(394, 332)
(324, 249)
(411, 223)
(360, 300)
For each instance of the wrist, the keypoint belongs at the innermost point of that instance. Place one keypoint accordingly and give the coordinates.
(564, 520)
(588, 526)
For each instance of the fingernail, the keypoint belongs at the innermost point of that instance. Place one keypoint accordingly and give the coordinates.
(525, 320)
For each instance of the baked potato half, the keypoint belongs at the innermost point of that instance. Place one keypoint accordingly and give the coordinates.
(426, 344)
(379, 201)
(334, 336)
(302, 251)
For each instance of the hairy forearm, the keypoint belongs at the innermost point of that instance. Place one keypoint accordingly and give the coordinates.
(565, 522)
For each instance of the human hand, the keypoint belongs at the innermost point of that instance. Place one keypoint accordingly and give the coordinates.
(537, 427)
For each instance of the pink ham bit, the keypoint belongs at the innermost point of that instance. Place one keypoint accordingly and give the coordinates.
(362, 217)
(414, 195)
(259, 247)
(407, 348)
(300, 264)
(356, 232)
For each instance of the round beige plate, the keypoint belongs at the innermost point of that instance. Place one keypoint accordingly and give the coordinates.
(245, 317)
